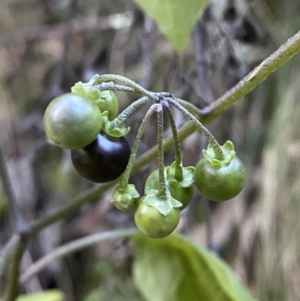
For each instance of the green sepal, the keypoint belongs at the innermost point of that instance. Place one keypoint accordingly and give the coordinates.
(187, 176)
(228, 151)
(100, 98)
(125, 198)
(86, 90)
(109, 128)
(163, 205)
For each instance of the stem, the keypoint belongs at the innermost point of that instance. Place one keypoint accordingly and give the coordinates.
(12, 287)
(261, 72)
(126, 175)
(17, 218)
(74, 246)
(113, 87)
(128, 111)
(211, 139)
(190, 107)
(137, 88)
(162, 193)
(178, 158)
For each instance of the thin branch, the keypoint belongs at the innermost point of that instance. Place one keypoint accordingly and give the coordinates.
(72, 247)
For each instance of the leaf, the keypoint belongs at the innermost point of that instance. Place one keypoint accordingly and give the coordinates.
(176, 18)
(51, 295)
(175, 269)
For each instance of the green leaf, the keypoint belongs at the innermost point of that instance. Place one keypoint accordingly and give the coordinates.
(175, 269)
(176, 18)
(53, 295)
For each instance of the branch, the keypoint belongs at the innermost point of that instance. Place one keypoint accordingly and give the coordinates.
(74, 246)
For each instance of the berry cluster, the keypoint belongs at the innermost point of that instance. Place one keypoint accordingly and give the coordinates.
(86, 121)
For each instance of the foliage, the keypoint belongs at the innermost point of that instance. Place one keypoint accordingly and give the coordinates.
(176, 18)
(175, 269)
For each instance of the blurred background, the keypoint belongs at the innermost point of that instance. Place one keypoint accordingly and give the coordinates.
(47, 46)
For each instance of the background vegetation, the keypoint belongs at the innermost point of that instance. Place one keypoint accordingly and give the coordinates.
(47, 46)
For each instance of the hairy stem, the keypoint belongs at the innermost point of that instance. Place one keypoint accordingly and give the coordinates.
(178, 158)
(137, 88)
(127, 172)
(162, 193)
(113, 87)
(128, 111)
(191, 108)
(211, 139)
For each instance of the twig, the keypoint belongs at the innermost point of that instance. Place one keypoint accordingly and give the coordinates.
(72, 247)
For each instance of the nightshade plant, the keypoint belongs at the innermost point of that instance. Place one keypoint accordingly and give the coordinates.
(126, 196)
(87, 122)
